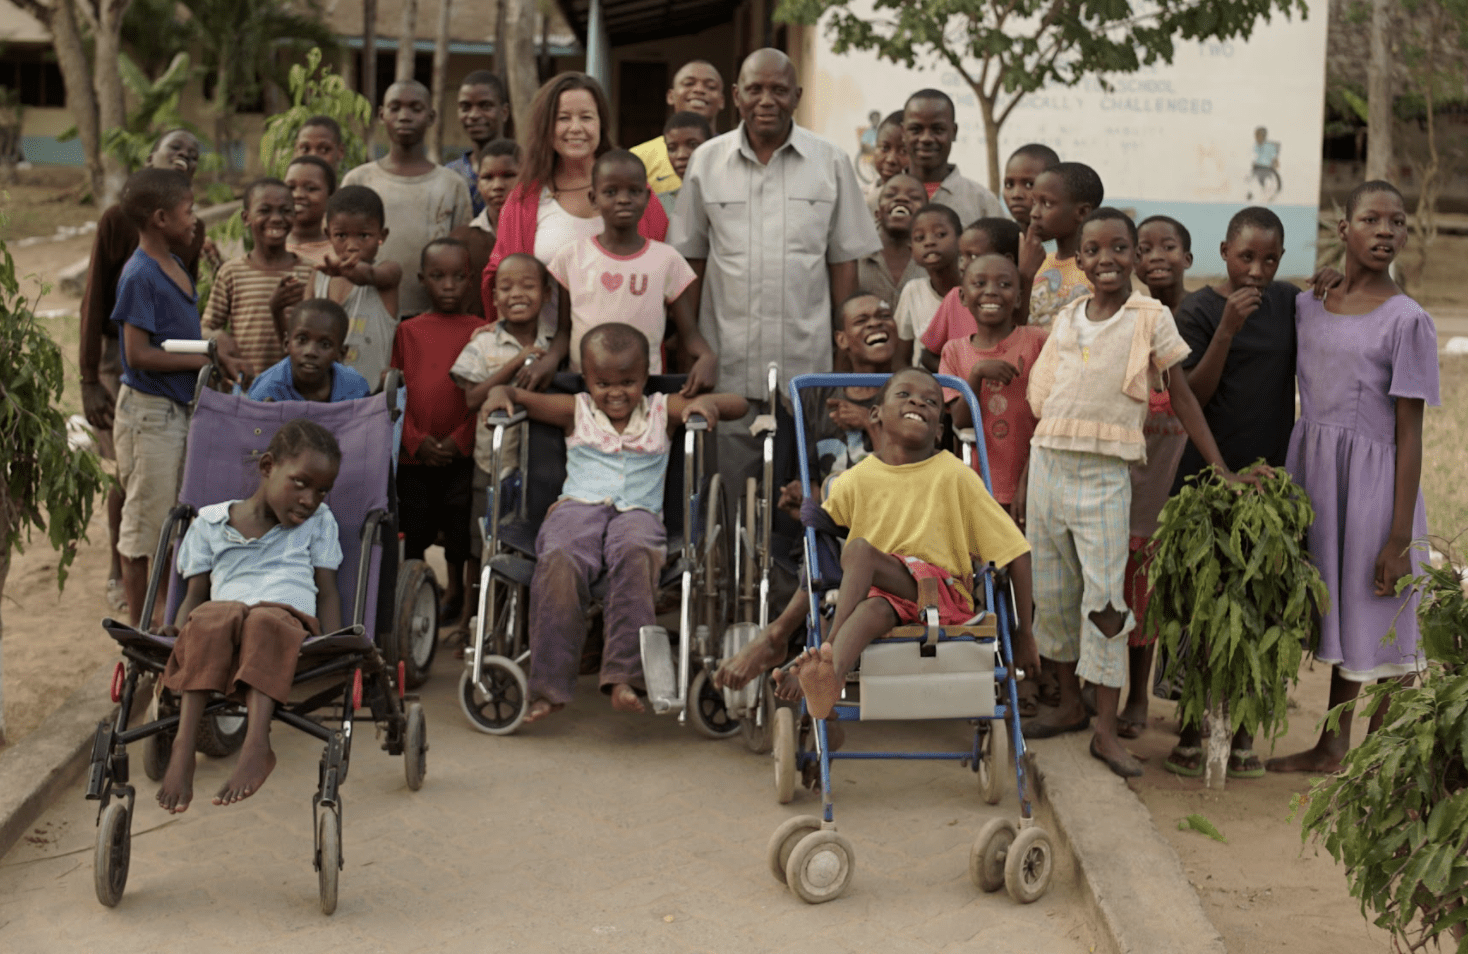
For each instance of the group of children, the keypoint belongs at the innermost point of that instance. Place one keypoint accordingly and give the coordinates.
(1096, 400)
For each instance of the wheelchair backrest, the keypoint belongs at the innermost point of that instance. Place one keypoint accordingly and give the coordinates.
(227, 435)
(547, 454)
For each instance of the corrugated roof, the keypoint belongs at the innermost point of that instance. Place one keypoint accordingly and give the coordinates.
(636, 21)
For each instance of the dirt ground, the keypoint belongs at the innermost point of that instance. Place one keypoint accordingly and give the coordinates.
(1263, 889)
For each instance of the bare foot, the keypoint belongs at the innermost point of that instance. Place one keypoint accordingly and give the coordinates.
(625, 699)
(1316, 761)
(541, 708)
(817, 675)
(758, 656)
(254, 767)
(177, 789)
(787, 687)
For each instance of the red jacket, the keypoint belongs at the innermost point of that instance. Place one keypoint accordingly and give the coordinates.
(517, 233)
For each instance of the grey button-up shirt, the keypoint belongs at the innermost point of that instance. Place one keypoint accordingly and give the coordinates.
(767, 233)
(969, 199)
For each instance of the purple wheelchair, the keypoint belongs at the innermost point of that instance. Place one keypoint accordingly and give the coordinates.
(339, 675)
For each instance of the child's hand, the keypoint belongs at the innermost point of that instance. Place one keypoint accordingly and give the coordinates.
(1016, 507)
(538, 375)
(702, 376)
(497, 400)
(1026, 652)
(433, 453)
(1323, 281)
(233, 367)
(1249, 478)
(847, 415)
(290, 292)
(1391, 565)
(526, 360)
(336, 267)
(704, 407)
(993, 369)
(1031, 251)
(1237, 309)
(791, 497)
(98, 405)
(211, 253)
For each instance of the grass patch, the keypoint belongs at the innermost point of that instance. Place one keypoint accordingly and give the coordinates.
(1445, 458)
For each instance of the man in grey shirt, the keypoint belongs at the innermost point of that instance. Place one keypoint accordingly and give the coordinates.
(929, 126)
(773, 221)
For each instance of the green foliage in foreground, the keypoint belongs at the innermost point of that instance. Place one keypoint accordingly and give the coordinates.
(44, 484)
(1397, 814)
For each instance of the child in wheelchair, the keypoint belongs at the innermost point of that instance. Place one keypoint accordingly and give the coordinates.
(261, 577)
(912, 513)
(609, 515)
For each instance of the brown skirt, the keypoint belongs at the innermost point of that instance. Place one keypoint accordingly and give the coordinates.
(226, 645)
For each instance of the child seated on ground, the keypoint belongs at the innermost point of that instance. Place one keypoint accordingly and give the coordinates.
(840, 431)
(351, 276)
(156, 301)
(311, 181)
(321, 136)
(436, 471)
(261, 577)
(912, 512)
(953, 319)
(683, 133)
(935, 232)
(995, 361)
(251, 294)
(609, 516)
(499, 167)
(311, 369)
(1062, 197)
(621, 276)
(501, 353)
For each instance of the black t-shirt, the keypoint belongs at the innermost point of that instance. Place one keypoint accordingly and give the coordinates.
(1252, 411)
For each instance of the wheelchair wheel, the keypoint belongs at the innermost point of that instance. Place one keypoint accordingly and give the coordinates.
(820, 867)
(718, 558)
(503, 709)
(414, 635)
(784, 840)
(748, 569)
(1028, 867)
(114, 850)
(759, 738)
(415, 745)
(993, 767)
(783, 730)
(159, 746)
(986, 860)
(706, 711)
(328, 857)
(221, 734)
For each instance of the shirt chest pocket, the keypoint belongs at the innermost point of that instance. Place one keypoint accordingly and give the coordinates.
(727, 205)
(808, 211)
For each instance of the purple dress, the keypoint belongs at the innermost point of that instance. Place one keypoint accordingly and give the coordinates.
(1343, 452)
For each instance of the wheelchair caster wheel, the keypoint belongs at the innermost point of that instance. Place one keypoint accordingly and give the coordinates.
(114, 851)
(328, 857)
(820, 867)
(1028, 867)
(759, 739)
(783, 729)
(159, 746)
(706, 712)
(987, 858)
(221, 734)
(784, 840)
(501, 711)
(993, 767)
(415, 746)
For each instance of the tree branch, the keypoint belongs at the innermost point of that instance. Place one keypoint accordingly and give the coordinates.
(41, 11)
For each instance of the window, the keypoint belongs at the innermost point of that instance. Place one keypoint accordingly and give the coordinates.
(35, 75)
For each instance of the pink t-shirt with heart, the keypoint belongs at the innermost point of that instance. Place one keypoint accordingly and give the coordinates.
(634, 289)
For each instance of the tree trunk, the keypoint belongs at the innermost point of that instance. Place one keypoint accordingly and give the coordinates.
(369, 67)
(991, 143)
(60, 19)
(407, 38)
(440, 77)
(111, 109)
(5, 516)
(1379, 95)
(520, 57)
(1216, 745)
(221, 114)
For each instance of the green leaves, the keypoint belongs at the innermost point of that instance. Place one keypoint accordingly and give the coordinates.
(1397, 814)
(315, 90)
(1202, 826)
(44, 484)
(1233, 596)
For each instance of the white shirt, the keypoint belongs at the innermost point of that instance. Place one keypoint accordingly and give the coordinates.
(916, 306)
(556, 228)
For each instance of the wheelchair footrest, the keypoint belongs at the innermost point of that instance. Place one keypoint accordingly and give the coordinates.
(899, 682)
(659, 672)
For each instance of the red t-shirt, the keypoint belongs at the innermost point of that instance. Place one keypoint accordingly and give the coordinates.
(932, 188)
(1008, 421)
(951, 320)
(424, 349)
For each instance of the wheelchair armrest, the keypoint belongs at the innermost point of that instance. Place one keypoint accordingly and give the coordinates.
(697, 422)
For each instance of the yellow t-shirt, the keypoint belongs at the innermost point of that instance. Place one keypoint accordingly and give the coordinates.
(936, 510)
(660, 175)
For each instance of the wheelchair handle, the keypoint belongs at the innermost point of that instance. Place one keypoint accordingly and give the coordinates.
(500, 419)
(189, 346)
(697, 422)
